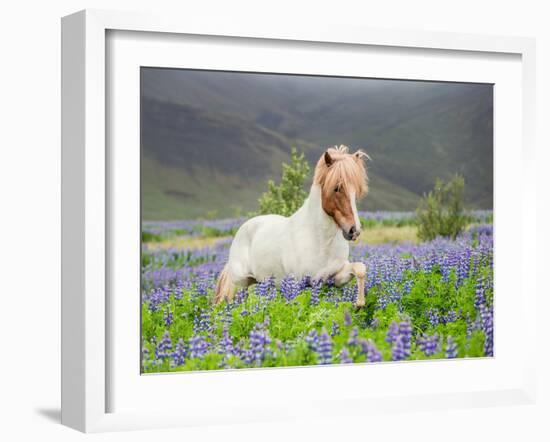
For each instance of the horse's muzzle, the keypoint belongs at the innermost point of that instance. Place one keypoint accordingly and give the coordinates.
(352, 234)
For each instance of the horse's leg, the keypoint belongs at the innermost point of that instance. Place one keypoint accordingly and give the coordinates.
(347, 272)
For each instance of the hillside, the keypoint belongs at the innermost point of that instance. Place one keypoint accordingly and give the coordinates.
(211, 140)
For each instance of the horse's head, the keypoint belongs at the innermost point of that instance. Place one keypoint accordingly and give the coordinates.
(343, 179)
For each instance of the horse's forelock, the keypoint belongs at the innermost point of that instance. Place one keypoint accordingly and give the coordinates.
(347, 170)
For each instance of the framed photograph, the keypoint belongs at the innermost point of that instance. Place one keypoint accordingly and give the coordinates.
(265, 222)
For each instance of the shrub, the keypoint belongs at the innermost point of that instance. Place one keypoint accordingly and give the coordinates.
(441, 211)
(287, 197)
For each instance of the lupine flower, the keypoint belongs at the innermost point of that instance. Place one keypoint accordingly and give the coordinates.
(178, 356)
(433, 317)
(226, 343)
(449, 317)
(304, 283)
(353, 334)
(198, 347)
(315, 291)
(266, 289)
(347, 318)
(429, 344)
(324, 352)
(240, 296)
(398, 351)
(163, 348)
(259, 340)
(312, 340)
(345, 357)
(289, 288)
(393, 332)
(144, 354)
(373, 354)
(168, 317)
(487, 327)
(399, 335)
(202, 321)
(335, 329)
(451, 350)
(480, 293)
(405, 329)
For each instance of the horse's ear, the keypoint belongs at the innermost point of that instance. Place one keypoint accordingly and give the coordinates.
(328, 159)
(359, 155)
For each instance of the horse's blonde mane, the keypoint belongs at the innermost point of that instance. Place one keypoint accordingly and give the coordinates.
(347, 170)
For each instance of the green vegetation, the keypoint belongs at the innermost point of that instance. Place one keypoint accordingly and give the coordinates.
(287, 197)
(441, 212)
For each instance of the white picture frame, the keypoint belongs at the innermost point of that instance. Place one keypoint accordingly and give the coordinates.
(87, 206)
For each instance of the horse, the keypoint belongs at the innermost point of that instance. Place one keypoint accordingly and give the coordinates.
(313, 242)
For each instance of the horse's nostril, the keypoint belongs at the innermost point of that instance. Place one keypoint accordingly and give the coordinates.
(352, 230)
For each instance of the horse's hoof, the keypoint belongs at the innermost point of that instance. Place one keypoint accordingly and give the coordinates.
(359, 306)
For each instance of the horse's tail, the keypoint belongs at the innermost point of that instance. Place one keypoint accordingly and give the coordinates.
(225, 287)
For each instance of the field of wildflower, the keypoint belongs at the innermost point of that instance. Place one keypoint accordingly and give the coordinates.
(425, 300)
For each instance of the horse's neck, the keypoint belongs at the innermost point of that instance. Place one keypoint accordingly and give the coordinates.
(312, 216)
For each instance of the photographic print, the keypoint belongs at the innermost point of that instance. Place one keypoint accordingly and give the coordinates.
(297, 220)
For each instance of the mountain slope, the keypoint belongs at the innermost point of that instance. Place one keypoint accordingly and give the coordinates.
(211, 140)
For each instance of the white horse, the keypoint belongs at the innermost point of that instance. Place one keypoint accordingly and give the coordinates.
(313, 241)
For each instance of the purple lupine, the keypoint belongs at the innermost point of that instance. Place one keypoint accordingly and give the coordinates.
(315, 291)
(451, 350)
(144, 354)
(407, 286)
(168, 317)
(349, 294)
(486, 314)
(393, 332)
(201, 287)
(405, 329)
(178, 355)
(198, 347)
(429, 344)
(398, 351)
(345, 357)
(240, 296)
(449, 317)
(399, 335)
(324, 352)
(264, 289)
(259, 340)
(373, 354)
(163, 348)
(480, 293)
(433, 317)
(353, 336)
(227, 316)
(225, 345)
(335, 329)
(202, 322)
(347, 318)
(158, 296)
(289, 288)
(304, 283)
(312, 340)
